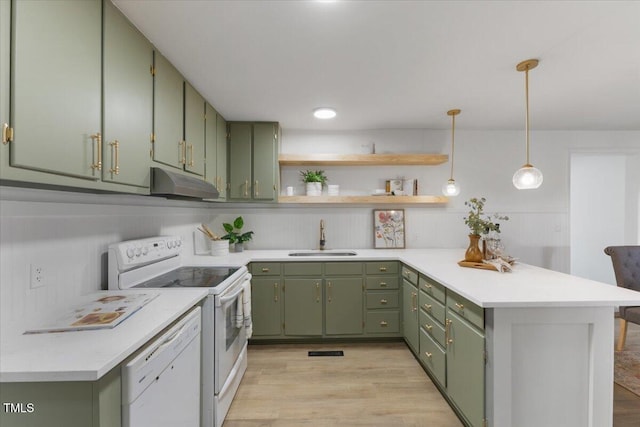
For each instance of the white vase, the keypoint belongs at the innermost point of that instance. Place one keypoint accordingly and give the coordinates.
(314, 189)
(219, 247)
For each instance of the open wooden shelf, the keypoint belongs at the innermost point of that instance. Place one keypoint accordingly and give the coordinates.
(361, 159)
(364, 199)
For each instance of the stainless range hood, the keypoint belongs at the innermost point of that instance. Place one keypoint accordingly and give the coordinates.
(178, 186)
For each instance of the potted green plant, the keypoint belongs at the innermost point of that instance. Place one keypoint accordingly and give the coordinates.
(234, 234)
(479, 226)
(314, 181)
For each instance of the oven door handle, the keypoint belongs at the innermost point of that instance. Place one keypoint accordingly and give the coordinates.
(225, 299)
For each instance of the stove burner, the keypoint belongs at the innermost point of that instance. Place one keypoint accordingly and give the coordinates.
(190, 277)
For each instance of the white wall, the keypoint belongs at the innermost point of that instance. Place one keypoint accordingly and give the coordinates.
(42, 227)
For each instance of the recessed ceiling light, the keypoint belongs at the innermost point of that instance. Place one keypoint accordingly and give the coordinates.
(324, 113)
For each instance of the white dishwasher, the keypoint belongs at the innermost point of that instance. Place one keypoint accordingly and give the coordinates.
(161, 384)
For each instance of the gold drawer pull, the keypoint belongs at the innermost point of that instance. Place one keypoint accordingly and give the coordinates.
(384, 324)
(383, 301)
(383, 269)
(427, 307)
(257, 189)
(182, 152)
(98, 138)
(383, 284)
(265, 269)
(428, 327)
(460, 306)
(115, 156)
(426, 353)
(275, 292)
(447, 331)
(246, 188)
(428, 286)
(317, 292)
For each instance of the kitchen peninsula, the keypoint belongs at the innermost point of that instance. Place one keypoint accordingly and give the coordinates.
(548, 336)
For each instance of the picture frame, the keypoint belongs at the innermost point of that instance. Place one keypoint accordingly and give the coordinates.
(388, 229)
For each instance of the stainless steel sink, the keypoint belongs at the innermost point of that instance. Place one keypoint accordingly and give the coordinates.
(323, 253)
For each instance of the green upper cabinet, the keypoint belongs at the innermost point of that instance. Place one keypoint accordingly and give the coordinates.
(5, 48)
(221, 156)
(216, 150)
(168, 85)
(56, 86)
(253, 155)
(127, 101)
(194, 130)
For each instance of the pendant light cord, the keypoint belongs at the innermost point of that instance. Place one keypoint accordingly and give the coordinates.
(453, 130)
(526, 122)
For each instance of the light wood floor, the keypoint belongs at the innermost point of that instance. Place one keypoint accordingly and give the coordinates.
(371, 385)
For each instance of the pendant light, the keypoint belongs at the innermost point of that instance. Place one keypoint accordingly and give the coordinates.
(451, 188)
(527, 177)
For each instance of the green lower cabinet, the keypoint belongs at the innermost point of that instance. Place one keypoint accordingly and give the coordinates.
(303, 307)
(410, 315)
(466, 368)
(64, 404)
(266, 305)
(433, 357)
(344, 306)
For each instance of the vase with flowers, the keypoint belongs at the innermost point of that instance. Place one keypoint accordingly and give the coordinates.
(479, 225)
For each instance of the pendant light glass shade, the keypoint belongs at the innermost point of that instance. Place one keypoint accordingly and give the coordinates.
(451, 188)
(527, 177)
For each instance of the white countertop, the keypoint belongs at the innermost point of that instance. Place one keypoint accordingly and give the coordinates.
(88, 355)
(525, 286)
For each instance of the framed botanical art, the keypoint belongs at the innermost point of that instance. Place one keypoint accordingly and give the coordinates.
(388, 228)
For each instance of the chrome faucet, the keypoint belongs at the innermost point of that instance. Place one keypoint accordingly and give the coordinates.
(322, 239)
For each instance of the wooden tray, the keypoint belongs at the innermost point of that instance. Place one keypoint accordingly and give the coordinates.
(480, 265)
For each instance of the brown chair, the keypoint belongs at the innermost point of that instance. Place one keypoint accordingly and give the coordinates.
(626, 266)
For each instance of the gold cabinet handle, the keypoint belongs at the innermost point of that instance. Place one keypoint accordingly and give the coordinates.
(182, 152)
(246, 188)
(460, 306)
(426, 353)
(275, 292)
(317, 292)
(383, 269)
(447, 331)
(97, 137)
(383, 301)
(190, 146)
(7, 133)
(265, 269)
(383, 284)
(414, 303)
(428, 327)
(330, 293)
(428, 286)
(427, 307)
(257, 189)
(384, 324)
(115, 157)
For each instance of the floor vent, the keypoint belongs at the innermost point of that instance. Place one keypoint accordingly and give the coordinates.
(326, 353)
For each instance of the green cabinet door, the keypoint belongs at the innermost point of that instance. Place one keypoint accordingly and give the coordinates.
(221, 156)
(194, 129)
(210, 145)
(303, 312)
(5, 49)
(465, 368)
(240, 137)
(344, 306)
(265, 306)
(56, 86)
(168, 89)
(264, 161)
(410, 325)
(127, 100)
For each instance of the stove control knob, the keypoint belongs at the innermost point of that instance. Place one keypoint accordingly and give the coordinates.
(179, 242)
(130, 252)
(145, 250)
(137, 251)
(169, 244)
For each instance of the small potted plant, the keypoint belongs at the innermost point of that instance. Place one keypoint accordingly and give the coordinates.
(314, 181)
(478, 226)
(234, 234)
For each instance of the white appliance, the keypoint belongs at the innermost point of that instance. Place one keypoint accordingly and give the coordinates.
(161, 384)
(157, 262)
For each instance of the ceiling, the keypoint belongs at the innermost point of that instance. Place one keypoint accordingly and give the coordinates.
(403, 64)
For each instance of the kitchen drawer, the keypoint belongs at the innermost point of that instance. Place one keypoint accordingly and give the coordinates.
(342, 268)
(383, 322)
(432, 357)
(382, 267)
(265, 268)
(431, 287)
(303, 269)
(465, 309)
(432, 327)
(382, 282)
(382, 300)
(432, 306)
(410, 275)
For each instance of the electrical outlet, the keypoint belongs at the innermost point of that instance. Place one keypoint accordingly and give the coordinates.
(37, 276)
